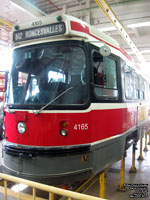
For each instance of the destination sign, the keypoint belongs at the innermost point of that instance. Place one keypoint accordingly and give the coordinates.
(39, 32)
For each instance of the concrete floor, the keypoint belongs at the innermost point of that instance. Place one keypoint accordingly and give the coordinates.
(113, 177)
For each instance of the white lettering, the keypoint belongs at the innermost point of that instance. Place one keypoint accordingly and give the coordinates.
(47, 30)
(60, 28)
(18, 36)
(81, 127)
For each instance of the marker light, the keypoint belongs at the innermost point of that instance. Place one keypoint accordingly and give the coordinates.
(59, 18)
(64, 124)
(16, 27)
(63, 132)
(21, 127)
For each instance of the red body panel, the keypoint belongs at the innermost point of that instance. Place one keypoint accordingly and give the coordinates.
(44, 129)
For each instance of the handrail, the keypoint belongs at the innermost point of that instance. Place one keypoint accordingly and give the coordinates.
(50, 189)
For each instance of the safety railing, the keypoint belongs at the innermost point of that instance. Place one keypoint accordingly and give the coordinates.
(50, 189)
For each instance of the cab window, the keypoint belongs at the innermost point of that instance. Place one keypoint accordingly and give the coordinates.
(105, 77)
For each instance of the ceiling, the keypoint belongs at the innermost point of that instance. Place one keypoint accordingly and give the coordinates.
(133, 14)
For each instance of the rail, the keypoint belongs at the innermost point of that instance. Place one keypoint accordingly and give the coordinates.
(50, 189)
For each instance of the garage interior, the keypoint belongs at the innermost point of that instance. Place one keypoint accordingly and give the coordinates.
(134, 16)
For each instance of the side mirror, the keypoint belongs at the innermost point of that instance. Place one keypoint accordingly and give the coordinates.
(105, 50)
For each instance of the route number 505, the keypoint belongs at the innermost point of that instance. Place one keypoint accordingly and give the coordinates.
(81, 127)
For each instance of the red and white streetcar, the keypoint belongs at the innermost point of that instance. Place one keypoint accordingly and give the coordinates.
(75, 101)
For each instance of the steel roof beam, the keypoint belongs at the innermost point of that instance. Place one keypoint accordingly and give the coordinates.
(115, 21)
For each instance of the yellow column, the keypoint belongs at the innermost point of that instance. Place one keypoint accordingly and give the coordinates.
(51, 196)
(133, 168)
(34, 193)
(145, 149)
(149, 138)
(141, 147)
(18, 192)
(102, 185)
(1, 182)
(122, 170)
(5, 185)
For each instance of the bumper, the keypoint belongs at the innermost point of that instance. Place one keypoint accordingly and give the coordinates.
(49, 166)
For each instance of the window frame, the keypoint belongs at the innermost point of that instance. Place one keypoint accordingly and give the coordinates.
(118, 88)
(129, 91)
(85, 48)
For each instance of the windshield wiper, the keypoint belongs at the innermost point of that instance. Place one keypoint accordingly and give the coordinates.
(57, 97)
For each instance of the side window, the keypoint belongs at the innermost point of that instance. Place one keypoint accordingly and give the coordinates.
(98, 69)
(105, 77)
(142, 88)
(136, 86)
(129, 83)
(146, 90)
(110, 73)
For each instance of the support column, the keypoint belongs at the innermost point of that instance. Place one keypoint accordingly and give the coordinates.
(5, 185)
(1, 182)
(122, 170)
(145, 149)
(149, 138)
(51, 196)
(102, 185)
(133, 168)
(141, 147)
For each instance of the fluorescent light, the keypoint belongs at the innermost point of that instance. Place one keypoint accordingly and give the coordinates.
(19, 187)
(142, 24)
(112, 28)
(143, 51)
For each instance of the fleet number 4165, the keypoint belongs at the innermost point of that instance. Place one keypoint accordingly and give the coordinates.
(81, 127)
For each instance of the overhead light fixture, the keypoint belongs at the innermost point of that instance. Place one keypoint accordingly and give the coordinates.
(143, 51)
(112, 28)
(142, 24)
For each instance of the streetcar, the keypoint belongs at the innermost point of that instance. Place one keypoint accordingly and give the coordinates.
(75, 101)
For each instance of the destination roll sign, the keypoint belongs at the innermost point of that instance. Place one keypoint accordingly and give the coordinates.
(39, 32)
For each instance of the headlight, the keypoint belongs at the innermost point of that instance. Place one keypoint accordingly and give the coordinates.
(21, 127)
(63, 132)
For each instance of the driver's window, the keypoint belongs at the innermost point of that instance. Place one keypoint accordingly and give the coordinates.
(98, 69)
(105, 76)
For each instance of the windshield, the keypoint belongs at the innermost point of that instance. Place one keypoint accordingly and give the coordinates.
(41, 74)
